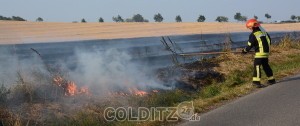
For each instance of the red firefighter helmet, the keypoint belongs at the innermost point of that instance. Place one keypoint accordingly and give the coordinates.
(252, 23)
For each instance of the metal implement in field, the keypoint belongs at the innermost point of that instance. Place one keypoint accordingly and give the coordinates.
(207, 53)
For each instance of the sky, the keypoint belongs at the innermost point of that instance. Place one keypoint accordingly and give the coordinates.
(189, 10)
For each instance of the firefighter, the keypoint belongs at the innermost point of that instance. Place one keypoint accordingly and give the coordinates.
(260, 40)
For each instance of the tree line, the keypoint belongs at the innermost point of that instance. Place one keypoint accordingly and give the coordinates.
(294, 18)
(17, 18)
(13, 18)
(159, 18)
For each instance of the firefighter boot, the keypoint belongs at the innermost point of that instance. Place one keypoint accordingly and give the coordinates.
(257, 84)
(271, 82)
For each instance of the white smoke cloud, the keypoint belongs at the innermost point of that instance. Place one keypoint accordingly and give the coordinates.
(112, 70)
(8, 66)
(29, 68)
(101, 71)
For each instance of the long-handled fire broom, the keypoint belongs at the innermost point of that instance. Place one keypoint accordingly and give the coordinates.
(207, 53)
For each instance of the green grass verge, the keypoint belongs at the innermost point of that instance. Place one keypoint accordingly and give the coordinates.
(239, 83)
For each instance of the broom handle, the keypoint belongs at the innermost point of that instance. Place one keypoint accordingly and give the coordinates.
(209, 53)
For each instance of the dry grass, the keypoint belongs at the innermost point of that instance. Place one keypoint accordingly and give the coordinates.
(31, 32)
(231, 62)
(237, 69)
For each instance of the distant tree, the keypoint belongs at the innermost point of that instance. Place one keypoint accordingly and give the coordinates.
(268, 16)
(39, 19)
(238, 16)
(158, 18)
(5, 18)
(293, 17)
(118, 19)
(201, 18)
(178, 18)
(101, 19)
(255, 17)
(138, 18)
(83, 20)
(16, 18)
(222, 19)
(298, 18)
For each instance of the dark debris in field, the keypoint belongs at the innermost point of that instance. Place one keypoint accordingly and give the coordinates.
(191, 76)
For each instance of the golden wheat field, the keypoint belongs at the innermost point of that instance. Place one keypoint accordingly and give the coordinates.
(14, 32)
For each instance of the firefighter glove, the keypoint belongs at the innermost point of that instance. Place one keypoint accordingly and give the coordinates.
(244, 51)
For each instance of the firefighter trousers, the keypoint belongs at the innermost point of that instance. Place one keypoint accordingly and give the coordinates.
(262, 62)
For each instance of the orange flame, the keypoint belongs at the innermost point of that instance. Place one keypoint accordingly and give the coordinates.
(58, 80)
(135, 91)
(70, 88)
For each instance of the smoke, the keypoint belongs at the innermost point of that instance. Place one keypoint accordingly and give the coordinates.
(8, 66)
(30, 79)
(112, 70)
(101, 71)
(12, 66)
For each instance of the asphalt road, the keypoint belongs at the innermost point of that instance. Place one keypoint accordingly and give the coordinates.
(276, 105)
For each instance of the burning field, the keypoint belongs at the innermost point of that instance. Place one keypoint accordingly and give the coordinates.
(35, 93)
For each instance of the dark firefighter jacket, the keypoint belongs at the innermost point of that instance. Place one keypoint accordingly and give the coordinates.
(261, 42)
